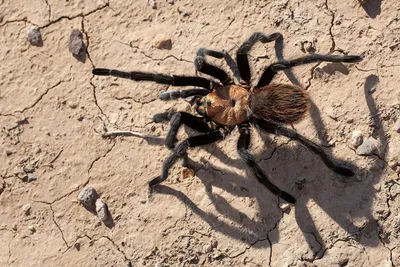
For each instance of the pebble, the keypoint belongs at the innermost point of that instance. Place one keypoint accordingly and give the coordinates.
(163, 42)
(356, 139)
(397, 125)
(31, 177)
(88, 198)
(368, 147)
(214, 243)
(27, 209)
(32, 229)
(153, 4)
(285, 207)
(207, 249)
(101, 209)
(183, 12)
(186, 173)
(76, 45)
(73, 104)
(34, 36)
(8, 153)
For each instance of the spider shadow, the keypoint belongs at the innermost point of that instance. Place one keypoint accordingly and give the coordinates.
(365, 200)
(222, 184)
(372, 7)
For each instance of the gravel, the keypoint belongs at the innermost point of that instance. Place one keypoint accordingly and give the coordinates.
(163, 43)
(34, 36)
(31, 177)
(27, 209)
(367, 148)
(102, 210)
(356, 139)
(76, 45)
(88, 198)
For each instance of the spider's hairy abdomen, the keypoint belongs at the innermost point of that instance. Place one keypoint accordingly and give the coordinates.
(228, 105)
(283, 103)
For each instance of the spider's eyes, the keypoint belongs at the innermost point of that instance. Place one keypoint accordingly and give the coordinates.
(208, 103)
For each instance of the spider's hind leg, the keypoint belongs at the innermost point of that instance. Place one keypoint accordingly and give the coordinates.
(176, 120)
(272, 69)
(242, 147)
(316, 149)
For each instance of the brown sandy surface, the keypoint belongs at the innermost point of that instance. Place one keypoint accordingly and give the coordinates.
(53, 112)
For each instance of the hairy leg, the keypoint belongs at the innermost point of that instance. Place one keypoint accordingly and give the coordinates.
(181, 152)
(241, 54)
(174, 80)
(203, 66)
(272, 69)
(172, 95)
(242, 146)
(176, 120)
(280, 130)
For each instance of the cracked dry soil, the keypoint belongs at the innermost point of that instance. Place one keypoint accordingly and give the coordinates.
(53, 111)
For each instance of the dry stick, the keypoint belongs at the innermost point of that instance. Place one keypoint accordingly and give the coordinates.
(130, 133)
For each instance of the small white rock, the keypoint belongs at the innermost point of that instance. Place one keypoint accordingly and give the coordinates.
(31, 177)
(101, 209)
(285, 207)
(27, 208)
(32, 229)
(356, 139)
(207, 249)
(153, 4)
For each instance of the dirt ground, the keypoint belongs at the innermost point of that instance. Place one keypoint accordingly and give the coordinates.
(53, 112)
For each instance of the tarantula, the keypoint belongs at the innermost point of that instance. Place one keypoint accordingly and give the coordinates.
(224, 104)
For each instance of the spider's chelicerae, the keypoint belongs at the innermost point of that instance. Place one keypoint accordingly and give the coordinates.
(224, 104)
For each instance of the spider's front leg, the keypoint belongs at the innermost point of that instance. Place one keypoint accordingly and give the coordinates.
(242, 147)
(244, 49)
(176, 119)
(202, 65)
(181, 152)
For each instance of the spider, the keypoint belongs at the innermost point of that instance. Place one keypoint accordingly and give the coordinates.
(224, 105)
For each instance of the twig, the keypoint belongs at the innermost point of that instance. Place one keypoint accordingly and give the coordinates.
(130, 133)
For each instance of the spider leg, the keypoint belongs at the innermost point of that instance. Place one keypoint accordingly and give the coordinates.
(176, 120)
(272, 69)
(174, 80)
(181, 152)
(242, 147)
(274, 128)
(202, 66)
(171, 95)
(241, 54)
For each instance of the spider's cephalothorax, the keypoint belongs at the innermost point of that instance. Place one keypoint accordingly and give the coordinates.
(223, 105)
